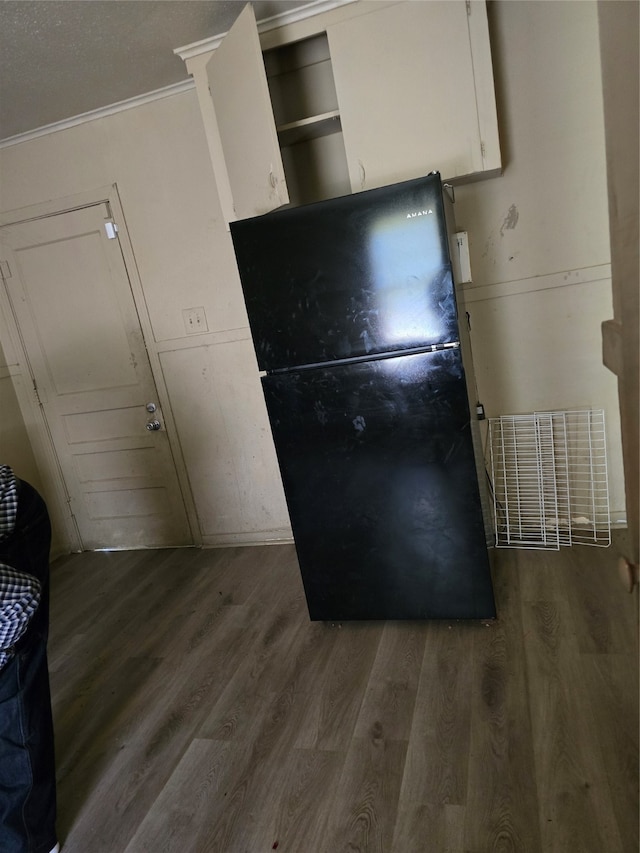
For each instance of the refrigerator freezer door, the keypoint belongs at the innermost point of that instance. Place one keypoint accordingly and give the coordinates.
(379, 473)
(350, 277)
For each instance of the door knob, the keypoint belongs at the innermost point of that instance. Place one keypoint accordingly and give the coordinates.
(153, 425)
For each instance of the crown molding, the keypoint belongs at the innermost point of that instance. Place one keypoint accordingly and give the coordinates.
(92, 115)
(207, 45)
(186, 52)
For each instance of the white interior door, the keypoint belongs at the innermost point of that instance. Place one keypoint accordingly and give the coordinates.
(72, 301)
(244, 116)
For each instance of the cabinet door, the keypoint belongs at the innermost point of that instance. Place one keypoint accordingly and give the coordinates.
(244, 117)
(419, 97)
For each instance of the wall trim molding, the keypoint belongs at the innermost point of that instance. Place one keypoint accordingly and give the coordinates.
(195, 49)
(281, 536)
(283, 19)
(213, 338)
(564, 278)
(102, 112)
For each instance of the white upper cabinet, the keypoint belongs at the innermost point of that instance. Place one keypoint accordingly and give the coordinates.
(237, 86)
(366, 94)
(415, 88)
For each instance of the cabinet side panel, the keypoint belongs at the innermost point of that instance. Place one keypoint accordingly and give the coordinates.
(485, 88)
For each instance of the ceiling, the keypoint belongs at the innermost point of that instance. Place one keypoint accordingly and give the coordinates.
(62, 59)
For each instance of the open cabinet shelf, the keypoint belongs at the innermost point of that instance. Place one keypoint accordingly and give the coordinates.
(308, 123)
(309, 128)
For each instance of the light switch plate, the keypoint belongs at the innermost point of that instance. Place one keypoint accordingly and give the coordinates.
(195, 321)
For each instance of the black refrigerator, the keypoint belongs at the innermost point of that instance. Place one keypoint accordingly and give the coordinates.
(356, 328)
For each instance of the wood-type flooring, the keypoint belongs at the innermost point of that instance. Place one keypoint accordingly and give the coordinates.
(198, 710)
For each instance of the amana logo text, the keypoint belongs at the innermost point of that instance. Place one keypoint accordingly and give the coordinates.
(419, 213)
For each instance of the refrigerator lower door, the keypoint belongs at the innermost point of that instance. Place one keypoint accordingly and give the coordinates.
(380, 478)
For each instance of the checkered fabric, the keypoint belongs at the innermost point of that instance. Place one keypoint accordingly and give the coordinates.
(8, 501)
(19, 598)
(19, 592)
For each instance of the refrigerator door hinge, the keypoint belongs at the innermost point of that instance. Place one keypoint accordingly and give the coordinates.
(111, 228)
(5, 270)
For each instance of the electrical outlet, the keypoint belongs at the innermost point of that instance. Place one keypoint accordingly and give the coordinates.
(195, 321)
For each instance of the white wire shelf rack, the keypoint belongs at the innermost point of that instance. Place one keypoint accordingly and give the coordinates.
(549, 479)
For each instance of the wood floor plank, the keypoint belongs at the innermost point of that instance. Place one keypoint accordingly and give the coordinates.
(437, 763)
(177, 697)
(99, 583)
(198, 709)
(501, 808)
(299, 820)
(258, 783)
(605, 621)
(266, 643)
(611, 691)
(364, 808)
(89, 732)
(193, 795)
(345, 684)
(573, 788)
(139, 748)
(502, 798)
(424, 826)
(390, 697)
(207, 779)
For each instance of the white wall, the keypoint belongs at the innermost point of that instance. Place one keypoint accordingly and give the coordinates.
(539, 238)
(157, 156)
(539, 251)
(15, 449)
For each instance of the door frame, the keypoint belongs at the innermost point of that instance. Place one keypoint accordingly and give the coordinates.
(54, 489)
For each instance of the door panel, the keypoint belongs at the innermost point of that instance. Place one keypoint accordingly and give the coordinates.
(95, 324)
(421, 113)
(242, 105)
(72, 301)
